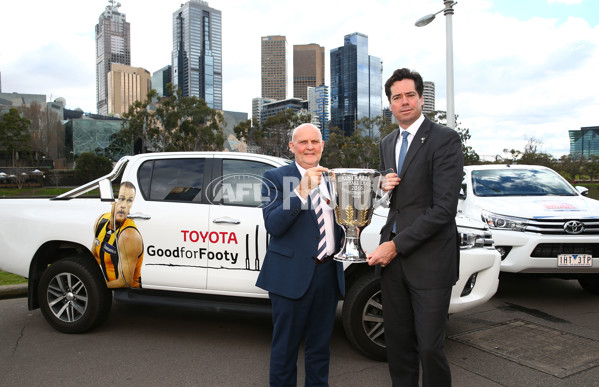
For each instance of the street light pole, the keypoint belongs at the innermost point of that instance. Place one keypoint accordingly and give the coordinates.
(448, 12)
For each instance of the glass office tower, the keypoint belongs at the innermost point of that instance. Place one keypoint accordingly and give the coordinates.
(197, 52)
(113, 45)
(356, 83)
(584, 143)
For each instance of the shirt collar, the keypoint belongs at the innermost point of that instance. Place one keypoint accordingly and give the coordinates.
(412, 129)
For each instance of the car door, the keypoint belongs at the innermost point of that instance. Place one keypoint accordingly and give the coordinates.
(173, 219)
(238, 239)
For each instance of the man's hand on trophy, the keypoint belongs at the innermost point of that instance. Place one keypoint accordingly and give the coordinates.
(383, 254)
(310, 180)
(389, 181)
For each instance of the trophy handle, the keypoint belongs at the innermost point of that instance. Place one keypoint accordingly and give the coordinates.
(384, 200)
(323, 198)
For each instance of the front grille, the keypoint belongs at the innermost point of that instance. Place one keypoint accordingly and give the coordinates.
(551, 250)
(556, 226)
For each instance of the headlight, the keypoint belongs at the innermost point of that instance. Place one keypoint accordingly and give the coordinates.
(469, 240)
(501, 222)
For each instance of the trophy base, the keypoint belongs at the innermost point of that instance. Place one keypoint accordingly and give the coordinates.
(351, 252)
(349, 258)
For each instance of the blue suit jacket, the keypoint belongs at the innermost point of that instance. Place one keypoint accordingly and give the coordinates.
(288, 266)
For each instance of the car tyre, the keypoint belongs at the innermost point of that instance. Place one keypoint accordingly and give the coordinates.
(362, 317)
(73, 295)
(590, 284)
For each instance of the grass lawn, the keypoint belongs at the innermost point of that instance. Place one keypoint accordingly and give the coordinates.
(33, 192)
(11, 279)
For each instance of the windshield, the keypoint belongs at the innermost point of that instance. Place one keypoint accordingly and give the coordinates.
(519, 182)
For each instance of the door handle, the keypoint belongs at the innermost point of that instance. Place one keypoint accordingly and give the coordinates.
(226, 220)
(139, 215)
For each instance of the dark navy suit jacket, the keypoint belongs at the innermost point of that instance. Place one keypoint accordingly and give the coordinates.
(288, 266)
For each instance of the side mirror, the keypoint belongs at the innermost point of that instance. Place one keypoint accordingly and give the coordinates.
(106, 194)
(584, 191)
(463, 192)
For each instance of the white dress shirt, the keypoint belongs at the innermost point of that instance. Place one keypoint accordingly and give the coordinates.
(327, 211)
(412, 129)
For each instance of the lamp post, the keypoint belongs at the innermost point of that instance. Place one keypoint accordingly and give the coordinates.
(448, 12)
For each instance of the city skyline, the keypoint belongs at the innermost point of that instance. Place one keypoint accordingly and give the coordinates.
(513, 61)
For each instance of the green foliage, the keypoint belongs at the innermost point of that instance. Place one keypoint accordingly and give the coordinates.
(273, 136)
(173, 123)
(90, 166)
(14, 133)
(11, 279)
(355, 151)
(470, 155)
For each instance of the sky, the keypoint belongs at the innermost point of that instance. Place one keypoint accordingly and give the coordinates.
(523, 69)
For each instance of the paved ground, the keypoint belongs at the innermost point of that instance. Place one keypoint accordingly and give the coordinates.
(532, 333)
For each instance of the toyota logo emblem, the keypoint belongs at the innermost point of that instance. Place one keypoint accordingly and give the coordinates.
(574, 227)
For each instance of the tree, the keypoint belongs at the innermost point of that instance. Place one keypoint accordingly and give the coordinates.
(356, 151)
(470, 155)
(14, 134)
(274, 134)
(90, 166)
(173, 123)
(532, 154)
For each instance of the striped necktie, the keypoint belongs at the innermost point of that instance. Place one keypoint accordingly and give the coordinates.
(317, 205)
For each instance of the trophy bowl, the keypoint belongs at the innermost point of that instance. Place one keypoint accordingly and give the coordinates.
(353, 200)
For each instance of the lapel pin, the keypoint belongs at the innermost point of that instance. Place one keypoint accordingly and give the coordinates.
(423, 139)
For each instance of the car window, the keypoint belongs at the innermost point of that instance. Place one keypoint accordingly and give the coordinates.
(175, 180)
(519, 182)
(241, 183)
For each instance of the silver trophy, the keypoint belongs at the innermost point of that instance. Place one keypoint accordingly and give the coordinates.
(353, 199)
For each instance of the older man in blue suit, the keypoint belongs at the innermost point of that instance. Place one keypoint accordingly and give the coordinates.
(303, 281)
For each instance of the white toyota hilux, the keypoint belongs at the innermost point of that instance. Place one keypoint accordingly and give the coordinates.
(541, 225)
(200, 238)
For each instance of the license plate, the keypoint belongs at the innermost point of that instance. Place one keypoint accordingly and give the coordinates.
(575, 260)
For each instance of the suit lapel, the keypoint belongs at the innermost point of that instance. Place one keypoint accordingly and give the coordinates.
(389, 155)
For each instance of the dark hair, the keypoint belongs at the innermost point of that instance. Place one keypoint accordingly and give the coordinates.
(401, 74)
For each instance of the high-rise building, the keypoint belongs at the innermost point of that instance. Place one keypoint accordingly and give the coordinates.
(257, 104)
(274, 108)
(126, 85)
(318, 103)
(584, 143)
(308, 68)
(113, 45)
(429, 97)
(197, 52)
(160, 79)
(356, 83)
(274, 67)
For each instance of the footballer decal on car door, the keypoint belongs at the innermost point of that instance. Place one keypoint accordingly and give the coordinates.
(118, 245)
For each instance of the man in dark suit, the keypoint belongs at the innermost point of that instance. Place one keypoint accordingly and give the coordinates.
(303, 281)
(419, 250)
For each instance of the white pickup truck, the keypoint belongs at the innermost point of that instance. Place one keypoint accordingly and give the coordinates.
(541, 225)
(200, 237)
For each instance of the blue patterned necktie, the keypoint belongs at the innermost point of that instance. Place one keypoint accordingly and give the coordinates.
(403, 149)
(317, 205)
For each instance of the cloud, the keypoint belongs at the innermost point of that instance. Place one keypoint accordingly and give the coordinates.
(515, 76)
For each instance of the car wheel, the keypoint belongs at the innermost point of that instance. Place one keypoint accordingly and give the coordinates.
(590, 284)
(73, 295)
(363, 317)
